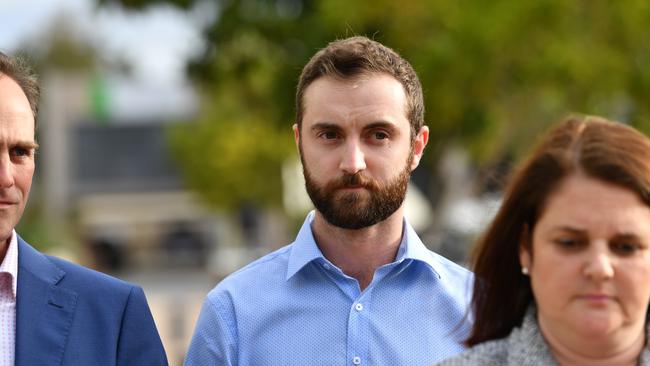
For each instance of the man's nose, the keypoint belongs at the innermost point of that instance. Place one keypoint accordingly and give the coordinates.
(353, 159)
(6, 171)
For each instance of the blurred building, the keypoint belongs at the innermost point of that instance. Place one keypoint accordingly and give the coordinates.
(130, 201)
(112, 179)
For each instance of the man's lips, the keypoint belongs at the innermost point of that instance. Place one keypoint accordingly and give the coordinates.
(344, 188)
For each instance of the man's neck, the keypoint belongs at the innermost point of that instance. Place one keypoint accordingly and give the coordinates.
(4, 246)
(358, 253)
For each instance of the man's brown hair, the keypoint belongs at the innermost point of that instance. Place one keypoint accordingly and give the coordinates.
(356, 56)
(19, 71)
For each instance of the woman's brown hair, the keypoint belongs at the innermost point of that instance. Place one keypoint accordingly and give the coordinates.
(601, 149)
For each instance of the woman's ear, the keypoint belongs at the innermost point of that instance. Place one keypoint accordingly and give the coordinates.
(525, 249)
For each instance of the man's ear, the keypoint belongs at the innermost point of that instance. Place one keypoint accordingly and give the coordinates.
(296, 135)
(420, 142)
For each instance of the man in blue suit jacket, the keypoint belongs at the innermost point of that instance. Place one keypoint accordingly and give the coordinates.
(70, 315)
(54, 312)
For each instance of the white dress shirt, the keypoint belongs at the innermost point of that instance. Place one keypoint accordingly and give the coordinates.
(8, 287)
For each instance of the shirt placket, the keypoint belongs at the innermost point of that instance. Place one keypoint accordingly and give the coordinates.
(359, 329)
(359, 320)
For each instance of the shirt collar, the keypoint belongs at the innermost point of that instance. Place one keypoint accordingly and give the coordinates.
(412, 248)
(304, 249)
(10, 262)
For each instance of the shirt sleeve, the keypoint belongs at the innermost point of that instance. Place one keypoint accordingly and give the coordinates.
(214, 341)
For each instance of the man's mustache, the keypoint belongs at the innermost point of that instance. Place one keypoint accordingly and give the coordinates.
(353, 181)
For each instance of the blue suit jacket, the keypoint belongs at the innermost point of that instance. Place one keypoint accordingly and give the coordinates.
(70, 315)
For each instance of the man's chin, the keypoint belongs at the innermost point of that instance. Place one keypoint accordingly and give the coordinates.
(352, 199)
(352, 225)
(358, 189)
(351, 221)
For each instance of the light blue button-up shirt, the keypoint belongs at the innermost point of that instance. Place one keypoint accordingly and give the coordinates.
(294, 307)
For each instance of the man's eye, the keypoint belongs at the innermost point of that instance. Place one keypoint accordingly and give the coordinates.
(19, 151)
(380, 135)
(329, 135)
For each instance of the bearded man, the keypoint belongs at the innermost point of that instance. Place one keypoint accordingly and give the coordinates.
(357, 286)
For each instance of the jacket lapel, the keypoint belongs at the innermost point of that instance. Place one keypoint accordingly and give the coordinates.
(44, 311)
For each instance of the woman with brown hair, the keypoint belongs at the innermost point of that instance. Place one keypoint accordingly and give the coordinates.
(563, 272)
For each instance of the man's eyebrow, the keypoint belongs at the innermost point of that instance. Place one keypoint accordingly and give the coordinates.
(381, 124)
(27, 144)
(325, 126)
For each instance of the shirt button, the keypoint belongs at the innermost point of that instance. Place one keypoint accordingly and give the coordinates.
(356, 360)
(326, 266)
(359, 307)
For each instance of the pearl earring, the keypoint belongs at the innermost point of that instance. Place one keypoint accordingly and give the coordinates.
(524, 270)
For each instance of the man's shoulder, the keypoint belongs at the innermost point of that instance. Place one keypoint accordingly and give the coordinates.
(68, 274)
(453, 279)
(272, 262)
(451, 268)
(447, 270)
(265, 272)
(82, 277)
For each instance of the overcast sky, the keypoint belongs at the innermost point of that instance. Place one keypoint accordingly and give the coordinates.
(156, 42)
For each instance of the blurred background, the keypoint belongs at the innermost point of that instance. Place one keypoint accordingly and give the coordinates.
(167, 154)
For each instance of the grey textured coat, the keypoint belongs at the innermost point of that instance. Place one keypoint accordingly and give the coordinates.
(524, 346)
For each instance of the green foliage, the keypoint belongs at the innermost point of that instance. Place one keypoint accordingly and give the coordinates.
(233, 152)
(495, 73)
(232, 162)
(61, 49)
(141, 4)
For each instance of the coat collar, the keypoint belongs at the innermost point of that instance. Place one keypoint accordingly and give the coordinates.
(527, 345)
(44, 310)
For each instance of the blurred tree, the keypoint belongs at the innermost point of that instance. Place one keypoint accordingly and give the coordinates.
(495, 75)
(61, 48)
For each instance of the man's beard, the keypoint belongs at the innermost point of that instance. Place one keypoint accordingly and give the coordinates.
(358, 209)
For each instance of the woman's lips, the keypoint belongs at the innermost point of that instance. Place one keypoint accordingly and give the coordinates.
(596, 298)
